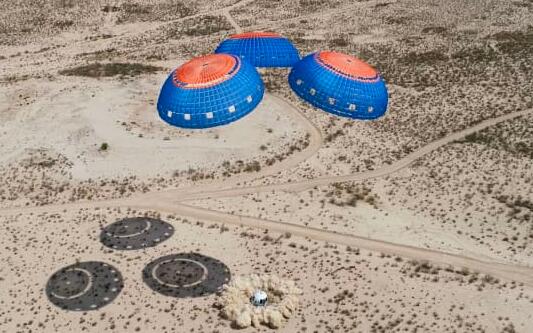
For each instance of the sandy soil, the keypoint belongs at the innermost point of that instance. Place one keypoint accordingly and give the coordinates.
(344, 288)
(121, 114)
(419, 221)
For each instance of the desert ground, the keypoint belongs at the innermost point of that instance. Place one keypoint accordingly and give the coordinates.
(421, 221)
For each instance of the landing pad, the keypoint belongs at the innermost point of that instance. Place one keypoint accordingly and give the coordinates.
(136, 233)
(84, 286)
(186, 275)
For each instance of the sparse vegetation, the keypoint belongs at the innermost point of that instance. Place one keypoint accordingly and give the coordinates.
(345, 194)
(338, 42)
(104, 146)
(445, 73)
(97, 70)
(498, 137)
(204, 25)
(158, 11)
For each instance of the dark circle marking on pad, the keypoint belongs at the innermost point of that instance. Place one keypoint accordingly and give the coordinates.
(186, 275)
(135, 233)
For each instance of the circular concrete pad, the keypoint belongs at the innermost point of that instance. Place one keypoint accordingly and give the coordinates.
(135, 233)
(84, 286)
(186, 275)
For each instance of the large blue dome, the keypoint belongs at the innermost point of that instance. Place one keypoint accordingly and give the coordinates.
(261, 49)
(209, 91)
(340, 84)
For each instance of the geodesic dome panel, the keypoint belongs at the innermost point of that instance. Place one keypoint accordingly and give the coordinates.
(261, 49)
(340, 84)
(209, 91)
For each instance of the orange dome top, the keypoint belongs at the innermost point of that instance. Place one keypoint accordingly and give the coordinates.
(206, 71)
(347, 65)
(254, 34)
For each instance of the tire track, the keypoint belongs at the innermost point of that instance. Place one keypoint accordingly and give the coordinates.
(218, 190)
(516, 273)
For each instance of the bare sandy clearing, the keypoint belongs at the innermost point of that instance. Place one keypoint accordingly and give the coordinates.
(121, 114)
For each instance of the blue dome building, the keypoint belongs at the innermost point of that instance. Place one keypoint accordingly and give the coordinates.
(340, 84)
(261, 49)
(209, 91)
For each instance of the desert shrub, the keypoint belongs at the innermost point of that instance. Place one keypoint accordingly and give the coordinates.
(63, 24)
(515, 42)
(428, 58)
(434, 30)
(339, 42)
(205, 25)
(110, 9)
(165, 10)
(313, 5)
(497, 137)
(110, 69)
(135, 8)
(476, 54)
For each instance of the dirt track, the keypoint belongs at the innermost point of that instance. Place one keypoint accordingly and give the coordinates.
(503, 271)
(170, 202)
(221, 190)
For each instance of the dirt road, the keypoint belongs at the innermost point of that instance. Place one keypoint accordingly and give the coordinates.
(170, 202)
(221, 189)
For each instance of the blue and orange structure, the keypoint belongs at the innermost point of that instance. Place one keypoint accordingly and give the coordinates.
(210, 90)
(340, 84)
(261, 49)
